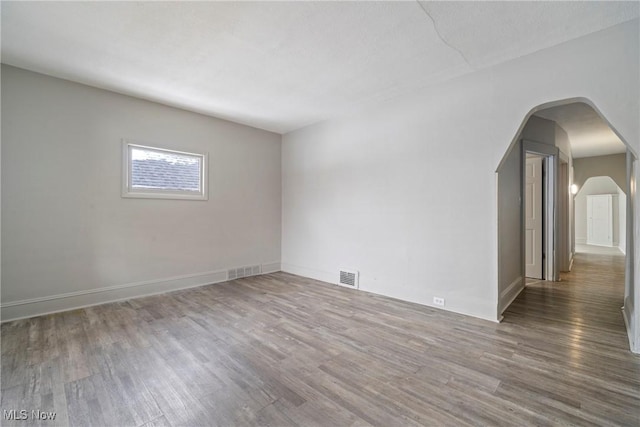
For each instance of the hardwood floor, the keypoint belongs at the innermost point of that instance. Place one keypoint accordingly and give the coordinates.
(282, 350)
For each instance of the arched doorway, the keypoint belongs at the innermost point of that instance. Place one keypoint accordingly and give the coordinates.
(600, 215)
(540, 135)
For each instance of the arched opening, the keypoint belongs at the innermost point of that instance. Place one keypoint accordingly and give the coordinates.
(588, 140)
(600, 216)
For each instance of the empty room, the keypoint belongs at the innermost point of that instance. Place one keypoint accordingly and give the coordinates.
(389, 213)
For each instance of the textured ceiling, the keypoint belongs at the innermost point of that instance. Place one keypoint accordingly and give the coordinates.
(488, 33)
(588, 133)
(283, 65)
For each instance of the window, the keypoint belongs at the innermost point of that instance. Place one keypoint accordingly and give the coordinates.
(158, 173)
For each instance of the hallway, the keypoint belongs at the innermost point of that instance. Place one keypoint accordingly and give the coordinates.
(577, 331)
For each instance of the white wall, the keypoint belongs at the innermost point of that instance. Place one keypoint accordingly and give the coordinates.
(563, 143)
(0, 195)
(600, 185)
(566, 224)
(633, 258)
(65, 227)
(613, 166)
(510, 255)
(632, 264)
(541, 130)
(622, 221)
(405, 191)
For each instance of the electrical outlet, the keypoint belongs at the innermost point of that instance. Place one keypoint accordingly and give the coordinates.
(438, 301)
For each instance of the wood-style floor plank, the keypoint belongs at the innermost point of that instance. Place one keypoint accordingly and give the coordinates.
(282, 350)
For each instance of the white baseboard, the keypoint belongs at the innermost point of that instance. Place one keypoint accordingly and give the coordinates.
(323, 276)
(510, 293)
(26, 308)
(270, 267)
(581, 241)
(632, 346)
(601, 245)
(332, 279)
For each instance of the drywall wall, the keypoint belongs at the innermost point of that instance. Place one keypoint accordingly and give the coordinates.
(632, 272)
(632, 261)
(0, 194)
(600, 185)
(613, 165)
(541, 130)
(565, 200)
(69, 238)
(510, 266)
(562, 141)
(405, 192)
(622, 221)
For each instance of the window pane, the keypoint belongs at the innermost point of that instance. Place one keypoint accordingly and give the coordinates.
(159, 170)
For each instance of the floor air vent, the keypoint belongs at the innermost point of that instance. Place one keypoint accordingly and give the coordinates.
(349, 278)
(237, 273)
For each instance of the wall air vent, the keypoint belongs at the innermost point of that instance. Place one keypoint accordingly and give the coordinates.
(349, 278)
(237, 273)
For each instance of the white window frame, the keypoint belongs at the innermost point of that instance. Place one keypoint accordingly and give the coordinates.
(129, 192)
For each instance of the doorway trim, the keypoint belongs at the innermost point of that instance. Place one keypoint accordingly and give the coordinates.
(551, 219)
(566, 216)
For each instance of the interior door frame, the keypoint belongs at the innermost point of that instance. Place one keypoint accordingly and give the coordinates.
(551, 219)
(565, 232)
(535, 270)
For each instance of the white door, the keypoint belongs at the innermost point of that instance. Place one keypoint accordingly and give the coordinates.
(533, 218)
(599, 220)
